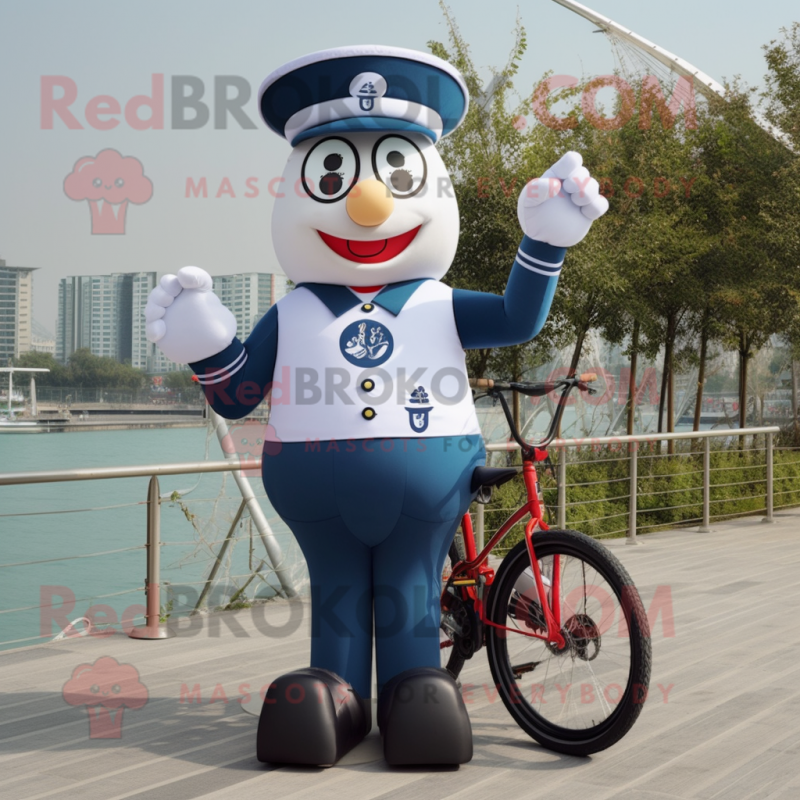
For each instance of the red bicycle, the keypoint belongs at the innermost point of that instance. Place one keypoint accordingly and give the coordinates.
(564, 627)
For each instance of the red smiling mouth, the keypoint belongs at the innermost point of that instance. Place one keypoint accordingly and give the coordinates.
(369, 252)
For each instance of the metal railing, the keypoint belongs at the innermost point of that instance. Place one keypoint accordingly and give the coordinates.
(153, 629)
(71, 396)
(628, 444)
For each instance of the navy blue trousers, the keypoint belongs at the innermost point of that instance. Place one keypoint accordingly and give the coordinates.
(374, 519)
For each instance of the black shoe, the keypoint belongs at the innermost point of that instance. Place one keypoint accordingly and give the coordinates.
(423, 719)
(311, 716)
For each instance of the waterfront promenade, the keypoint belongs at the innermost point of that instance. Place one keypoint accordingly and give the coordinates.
(722, 720)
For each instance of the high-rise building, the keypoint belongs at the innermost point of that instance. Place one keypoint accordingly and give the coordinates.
(44, 346)
(16, 311)
(106, 314)
(248, 295)
(281, 285)
(42, 340)
(143, 352)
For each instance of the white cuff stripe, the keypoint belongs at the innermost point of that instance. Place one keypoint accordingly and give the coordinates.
(208, 381)
(550, 274)
(216, 372)
(533, 260)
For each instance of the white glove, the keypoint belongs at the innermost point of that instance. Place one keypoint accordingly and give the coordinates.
(186, 319)
(559, 207)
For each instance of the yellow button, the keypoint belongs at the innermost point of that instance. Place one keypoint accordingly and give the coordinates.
(368, 413)
(367, 307)
(368, 385)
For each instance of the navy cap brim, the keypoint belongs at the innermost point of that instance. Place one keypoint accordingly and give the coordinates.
(365, 124)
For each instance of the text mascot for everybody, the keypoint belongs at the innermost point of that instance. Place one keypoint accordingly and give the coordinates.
(379, 436)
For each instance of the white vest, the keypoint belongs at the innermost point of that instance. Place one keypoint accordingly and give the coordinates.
(370, 375)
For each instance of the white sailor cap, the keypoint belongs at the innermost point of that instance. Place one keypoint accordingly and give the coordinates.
(363, 88)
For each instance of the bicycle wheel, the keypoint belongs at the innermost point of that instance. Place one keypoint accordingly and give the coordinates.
(585, 697)
(459, 621)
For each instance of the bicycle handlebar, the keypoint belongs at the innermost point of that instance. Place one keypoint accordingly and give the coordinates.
(488, 383)
(495, 389)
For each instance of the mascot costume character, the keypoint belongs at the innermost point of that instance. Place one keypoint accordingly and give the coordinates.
(379, 439)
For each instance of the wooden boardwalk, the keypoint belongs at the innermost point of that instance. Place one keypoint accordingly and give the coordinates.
(728, 727)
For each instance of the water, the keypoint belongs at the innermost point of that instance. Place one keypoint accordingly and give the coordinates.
(70, 532)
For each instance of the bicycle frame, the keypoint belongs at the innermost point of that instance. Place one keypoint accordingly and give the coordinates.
(474, 574)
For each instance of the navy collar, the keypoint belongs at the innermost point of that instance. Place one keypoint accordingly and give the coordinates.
(340, 299)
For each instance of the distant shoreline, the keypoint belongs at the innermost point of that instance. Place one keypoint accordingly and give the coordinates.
(102, 423)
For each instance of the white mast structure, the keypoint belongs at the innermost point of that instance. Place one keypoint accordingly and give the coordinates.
(11, 371)
(705, 84)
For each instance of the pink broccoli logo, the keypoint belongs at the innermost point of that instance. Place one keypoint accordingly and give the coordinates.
(108, 181)
(106, 688)
(249, 440)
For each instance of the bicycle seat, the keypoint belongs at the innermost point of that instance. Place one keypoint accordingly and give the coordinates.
(492, 476)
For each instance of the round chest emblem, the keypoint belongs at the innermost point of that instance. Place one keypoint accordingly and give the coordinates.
(366, 343)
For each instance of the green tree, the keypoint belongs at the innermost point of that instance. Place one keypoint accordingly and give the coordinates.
(90, 371)
(84, 371)
(635, 277)
(781, 209)
(591, 290)
(181, 379)
(782, 94)
(748, 298)
(58, 375)
(490, 158)
(701, 244)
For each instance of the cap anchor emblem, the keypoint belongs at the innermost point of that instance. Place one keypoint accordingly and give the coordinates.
(367, 88)
(366, 95)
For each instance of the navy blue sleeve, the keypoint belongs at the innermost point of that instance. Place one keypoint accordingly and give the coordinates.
(236, 380)
(488, 320)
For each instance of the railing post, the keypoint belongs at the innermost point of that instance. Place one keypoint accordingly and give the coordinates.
(633, 451)
(561, 483)
(153, 629)
(706, 486)
(480, 533)
(770, 482)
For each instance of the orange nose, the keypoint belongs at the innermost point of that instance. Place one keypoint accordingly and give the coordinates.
(369, 203)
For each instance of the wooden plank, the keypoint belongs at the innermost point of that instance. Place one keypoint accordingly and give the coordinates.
(730, 726)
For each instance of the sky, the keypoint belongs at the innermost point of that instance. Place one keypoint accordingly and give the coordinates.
(107, 54)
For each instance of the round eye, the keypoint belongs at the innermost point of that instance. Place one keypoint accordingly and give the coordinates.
(97, 182)
(119, 183)
(116, 688)
(330, 170)
(399, 163)
(95, 688)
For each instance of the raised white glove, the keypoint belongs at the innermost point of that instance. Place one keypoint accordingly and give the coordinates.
(186, 319)
(559, 207)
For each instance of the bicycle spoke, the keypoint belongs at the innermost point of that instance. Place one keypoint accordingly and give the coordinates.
(579, 686)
